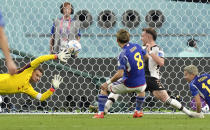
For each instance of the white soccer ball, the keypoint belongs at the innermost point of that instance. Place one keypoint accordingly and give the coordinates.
(73, 47)
(205, 109)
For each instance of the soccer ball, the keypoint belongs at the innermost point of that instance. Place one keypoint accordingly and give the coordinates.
(73, 47)
(205, 109)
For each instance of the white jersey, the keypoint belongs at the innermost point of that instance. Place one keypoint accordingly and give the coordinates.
(152, 69)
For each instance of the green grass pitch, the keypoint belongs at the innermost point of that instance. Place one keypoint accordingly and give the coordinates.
(110, 122)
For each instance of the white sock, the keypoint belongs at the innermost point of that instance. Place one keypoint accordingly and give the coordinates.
(108, 105)
(176, 104)
(111, 99)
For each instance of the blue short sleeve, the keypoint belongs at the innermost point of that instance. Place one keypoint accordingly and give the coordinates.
(144, 52)
(160, 53)
(53, 29)
(79, 33)
(122, 61)
(193, 90)
(2, 23)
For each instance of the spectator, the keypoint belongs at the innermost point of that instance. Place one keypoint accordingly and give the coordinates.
(64, 29)
(191, 50)
(4, 46)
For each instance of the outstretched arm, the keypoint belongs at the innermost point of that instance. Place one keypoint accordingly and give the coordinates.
(63, 56)
(35, 63)
(42, 97)
(39, 96)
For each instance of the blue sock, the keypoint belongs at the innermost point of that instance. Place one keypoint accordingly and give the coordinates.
(101, 102)
(139, 103)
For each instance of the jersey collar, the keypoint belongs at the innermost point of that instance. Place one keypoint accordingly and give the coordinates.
(194, 79)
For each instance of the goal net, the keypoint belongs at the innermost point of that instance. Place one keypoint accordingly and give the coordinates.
(28, 27)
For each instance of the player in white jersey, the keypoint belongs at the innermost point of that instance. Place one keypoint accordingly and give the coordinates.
(152, 74)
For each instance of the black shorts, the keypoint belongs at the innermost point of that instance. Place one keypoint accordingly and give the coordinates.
(153, 84)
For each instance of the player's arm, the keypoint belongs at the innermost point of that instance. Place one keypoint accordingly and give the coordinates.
(52, 40)
(144, 52)
(198, 103)
(42, 97)
(118, 75)
(52, 43)
(195, 93)
(122, 61)
(78, 36)
(63, 56)
(36, 62)
(5, 48)
(157, 58)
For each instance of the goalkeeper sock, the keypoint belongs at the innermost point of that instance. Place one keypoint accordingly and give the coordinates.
(139, 102)
(176, 104)
(101, 102)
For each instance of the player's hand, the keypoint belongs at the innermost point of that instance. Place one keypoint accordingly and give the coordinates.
(56, 81)
(148, 47)
(12, 68)
(104, 86)
(64, 55)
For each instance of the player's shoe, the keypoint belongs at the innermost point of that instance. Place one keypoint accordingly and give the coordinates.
(196, 115)
(99, 115)
(138, 114)
(93, 109)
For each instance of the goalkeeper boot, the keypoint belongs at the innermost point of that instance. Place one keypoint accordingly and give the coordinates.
(138, 114)
(93, 109)
(99, 115)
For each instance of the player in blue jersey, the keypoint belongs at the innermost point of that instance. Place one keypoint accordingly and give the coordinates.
(130, 76)
(152, 74)
(199, 86)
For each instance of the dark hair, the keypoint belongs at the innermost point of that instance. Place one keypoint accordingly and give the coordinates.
(40, 69)
(152, 32)
(123, 36)
(191, 42)
(64, 5)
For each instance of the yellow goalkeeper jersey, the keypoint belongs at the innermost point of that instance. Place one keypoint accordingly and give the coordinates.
(20, 82)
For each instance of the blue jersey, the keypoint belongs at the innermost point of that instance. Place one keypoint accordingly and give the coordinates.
(201, 85)
(131, 61)
(1, 20)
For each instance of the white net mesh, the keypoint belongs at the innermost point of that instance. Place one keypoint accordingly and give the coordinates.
(28, 25)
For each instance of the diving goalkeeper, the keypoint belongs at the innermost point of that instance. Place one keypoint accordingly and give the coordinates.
(32, 72)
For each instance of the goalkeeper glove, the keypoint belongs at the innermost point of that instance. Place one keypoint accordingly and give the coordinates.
(56, 81)
(64, 55)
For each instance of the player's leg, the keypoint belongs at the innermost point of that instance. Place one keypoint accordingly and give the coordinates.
(111, 99)
(117, 88)
(139, 101)
(163, 96)
(154, 85)
(102, 98)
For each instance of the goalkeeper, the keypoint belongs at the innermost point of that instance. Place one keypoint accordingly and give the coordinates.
(31, 73)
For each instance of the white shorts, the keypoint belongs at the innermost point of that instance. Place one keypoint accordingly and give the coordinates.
(119, 88)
